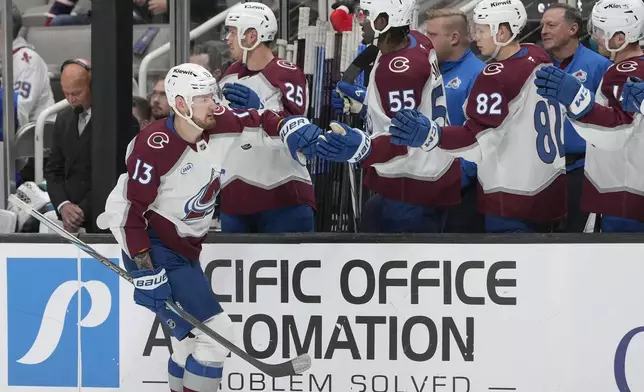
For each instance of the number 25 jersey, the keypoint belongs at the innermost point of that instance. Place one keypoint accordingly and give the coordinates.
(516, 138)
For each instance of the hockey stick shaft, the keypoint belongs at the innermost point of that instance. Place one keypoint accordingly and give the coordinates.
(288, 368)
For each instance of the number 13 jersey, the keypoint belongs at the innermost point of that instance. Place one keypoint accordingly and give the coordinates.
(516, 138)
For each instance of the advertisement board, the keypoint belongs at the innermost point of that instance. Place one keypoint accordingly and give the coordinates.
(374, 317)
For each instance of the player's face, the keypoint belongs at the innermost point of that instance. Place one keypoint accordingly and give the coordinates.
(248, 41)
(482, 34)
(555, 31)
(203, 111)
(367, 32)
(439, 33)
(233, 43)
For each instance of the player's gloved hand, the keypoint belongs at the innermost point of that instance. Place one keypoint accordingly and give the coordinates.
(300, 136)
(151, 288)
(411, 128)
(242, 97)
(343, 144)
(633, 95)
(554, 84)
(349, 98)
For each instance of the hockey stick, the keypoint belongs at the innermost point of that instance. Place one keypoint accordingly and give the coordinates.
(294, 366)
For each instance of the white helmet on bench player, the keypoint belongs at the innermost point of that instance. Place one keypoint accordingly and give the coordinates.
(494, 13)
(188, 81)
(399, 12)
(258, 16)
(610, 17)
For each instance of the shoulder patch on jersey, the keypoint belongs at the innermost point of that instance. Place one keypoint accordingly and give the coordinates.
(158, 140)
(454, 83)
(493, 69)
(286, 64)
(581, 75)
(399, 64)
(626, 66)
(219, 110)
(186, 168)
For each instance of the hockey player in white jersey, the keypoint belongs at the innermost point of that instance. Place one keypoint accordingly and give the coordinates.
(161, 209)
(513, 134)
(268, 192)
(412, 190)
(614, 184)
(30, 76)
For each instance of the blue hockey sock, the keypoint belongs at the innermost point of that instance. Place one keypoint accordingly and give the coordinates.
(175, 376)
(200, 377)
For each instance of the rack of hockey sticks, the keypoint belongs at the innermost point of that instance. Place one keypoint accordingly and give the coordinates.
(326, 57)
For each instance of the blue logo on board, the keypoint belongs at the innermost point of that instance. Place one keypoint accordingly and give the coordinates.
(63, 323)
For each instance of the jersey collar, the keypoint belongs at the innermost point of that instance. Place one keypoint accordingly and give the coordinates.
(169, 123)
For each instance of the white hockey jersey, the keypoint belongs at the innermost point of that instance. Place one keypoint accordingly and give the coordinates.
(267, 178)
(171, 185)
(516, 139)
(406, 79)
(31, 81)
(614, 166)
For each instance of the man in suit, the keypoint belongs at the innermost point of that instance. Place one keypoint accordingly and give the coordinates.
(68, 169)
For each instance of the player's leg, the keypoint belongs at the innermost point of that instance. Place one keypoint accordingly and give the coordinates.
(181, 349)
(235, 223)
(296, 219)
(371, 216)
(200, 357)
(616, 224)
(400, 217)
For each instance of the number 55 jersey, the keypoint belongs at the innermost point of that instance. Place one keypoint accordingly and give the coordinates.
(406, 79)
(516, 139)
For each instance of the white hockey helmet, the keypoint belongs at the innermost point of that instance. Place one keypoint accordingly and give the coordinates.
(400, 12)
(610, 17)
(496, 12)
(256, 16)
(187, 81)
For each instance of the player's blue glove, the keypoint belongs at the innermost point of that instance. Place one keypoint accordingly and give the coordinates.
(554, 84)
(349, 98)
(343, 144)
(300, 136)
(633, 95)
(242, 97)
(151, 288)
(411, 128)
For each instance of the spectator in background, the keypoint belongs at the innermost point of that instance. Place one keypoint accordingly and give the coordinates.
(561, 27)
(158, 100)
(142, 111)
(200, 10)
(30, 75)
(68, 170)
(208, 56)
(448, 30)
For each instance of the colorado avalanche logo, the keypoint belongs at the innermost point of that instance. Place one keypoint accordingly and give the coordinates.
(203, 203)
(399, 64)
(581, 75)
(493, 69)
(286, 64)
(158, 140)
(627, 66)
(454, 83)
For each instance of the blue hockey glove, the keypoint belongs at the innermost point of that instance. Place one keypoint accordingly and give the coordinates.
(411, 128)
(633, 95)
(343, 144)
(349, 98)
(300, 136)
(554, 84)
(242, 97)
(151, 288)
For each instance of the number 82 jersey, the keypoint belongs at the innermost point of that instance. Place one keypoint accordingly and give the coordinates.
(516, 139)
